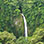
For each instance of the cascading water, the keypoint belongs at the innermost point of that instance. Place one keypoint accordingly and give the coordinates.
(25, 25)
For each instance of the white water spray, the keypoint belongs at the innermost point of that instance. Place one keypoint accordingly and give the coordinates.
(25, 25)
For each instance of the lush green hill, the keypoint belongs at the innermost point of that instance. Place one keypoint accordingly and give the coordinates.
(12, 21)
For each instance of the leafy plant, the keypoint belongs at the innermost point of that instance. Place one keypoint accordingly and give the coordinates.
(38, 37)
(7, 38)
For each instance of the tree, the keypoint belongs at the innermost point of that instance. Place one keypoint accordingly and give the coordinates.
(38, 36)
(7, 38)
(22, 40)
(9, 14)
(34, 13)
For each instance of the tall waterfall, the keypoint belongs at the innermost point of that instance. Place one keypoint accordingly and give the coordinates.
(25, 25)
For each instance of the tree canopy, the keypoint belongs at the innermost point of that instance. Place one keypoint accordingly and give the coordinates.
(11, 21)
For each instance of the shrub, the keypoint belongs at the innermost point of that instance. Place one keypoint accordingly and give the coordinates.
(7, 38)
(38, 37)
(22, 40)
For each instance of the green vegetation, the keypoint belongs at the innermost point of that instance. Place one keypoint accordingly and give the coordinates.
(38, 37)
(34, 13)
(11, 21)
(7, 38)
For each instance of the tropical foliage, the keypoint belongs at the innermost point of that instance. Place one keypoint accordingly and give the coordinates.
(7, 38)
(11, 21)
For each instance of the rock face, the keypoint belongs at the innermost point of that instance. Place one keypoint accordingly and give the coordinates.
(19, 25)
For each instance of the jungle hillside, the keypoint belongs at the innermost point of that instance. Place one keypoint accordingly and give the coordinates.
(12, 27)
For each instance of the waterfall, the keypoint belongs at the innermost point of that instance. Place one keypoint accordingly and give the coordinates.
(25, 25)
